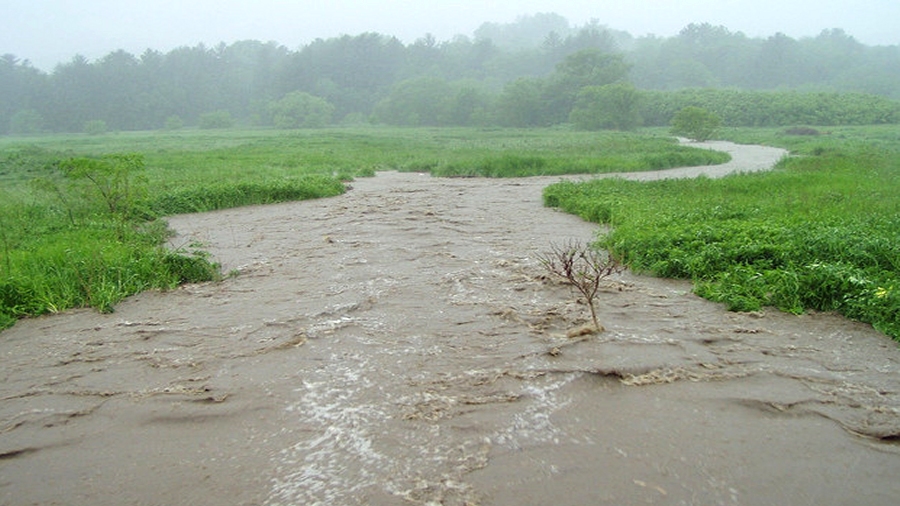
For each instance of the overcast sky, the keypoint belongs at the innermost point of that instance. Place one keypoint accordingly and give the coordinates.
(48, 32)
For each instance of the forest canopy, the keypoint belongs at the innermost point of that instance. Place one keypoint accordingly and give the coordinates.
(537, 71)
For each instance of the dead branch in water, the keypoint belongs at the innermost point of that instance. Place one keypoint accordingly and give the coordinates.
(583, 267)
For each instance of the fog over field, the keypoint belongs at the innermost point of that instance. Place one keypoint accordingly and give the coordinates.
(48, 32)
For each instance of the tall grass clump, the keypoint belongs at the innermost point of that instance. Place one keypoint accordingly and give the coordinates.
(820, 232)
(223, 195)
(93, 267)
(607, 152)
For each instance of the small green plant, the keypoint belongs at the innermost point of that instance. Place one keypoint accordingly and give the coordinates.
(695, 123)
(112, 184)
(584, 268)
(116, 180)
(299, 109)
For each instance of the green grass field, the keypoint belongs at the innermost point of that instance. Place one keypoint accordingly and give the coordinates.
(821, 231)
(79, 214)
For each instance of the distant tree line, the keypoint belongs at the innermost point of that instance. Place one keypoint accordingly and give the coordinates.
(538, 71)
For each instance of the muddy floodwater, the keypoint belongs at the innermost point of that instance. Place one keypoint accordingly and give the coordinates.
(401, 344)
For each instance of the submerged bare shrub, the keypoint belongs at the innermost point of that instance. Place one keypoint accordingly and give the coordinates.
(583, 267)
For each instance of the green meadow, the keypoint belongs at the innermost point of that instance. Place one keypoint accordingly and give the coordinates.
(820, 232)
(81, 216)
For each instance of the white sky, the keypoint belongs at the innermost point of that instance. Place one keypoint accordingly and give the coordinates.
(48, 32)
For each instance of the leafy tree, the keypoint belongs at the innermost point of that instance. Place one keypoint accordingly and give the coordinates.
(124, 103)
(589, 67)
(75, 95)
(614, 106)
(526, 32)
(522, 104)
(423, 101)
(695, 123)
(469, 105)
(21, 89)
(831, 53)
(779, 61)
(724, 53)
(189, 79)
(299, 109)
(596, 37)
(464, 59)
(426, 56)
(251, 71)
(369, 61)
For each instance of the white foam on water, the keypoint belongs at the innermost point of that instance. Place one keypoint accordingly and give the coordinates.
(533, 424)
(340, 461)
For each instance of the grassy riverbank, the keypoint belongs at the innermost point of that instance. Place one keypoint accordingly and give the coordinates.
(821, 231)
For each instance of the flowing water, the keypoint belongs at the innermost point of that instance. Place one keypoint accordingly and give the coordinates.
(401, 344)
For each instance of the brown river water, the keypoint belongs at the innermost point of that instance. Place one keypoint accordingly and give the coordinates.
(401, 344)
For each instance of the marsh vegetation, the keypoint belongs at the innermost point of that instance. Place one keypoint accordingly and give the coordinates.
(81, 215)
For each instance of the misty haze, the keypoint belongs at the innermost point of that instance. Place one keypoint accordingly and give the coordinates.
(534, 262)
(504, 74)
